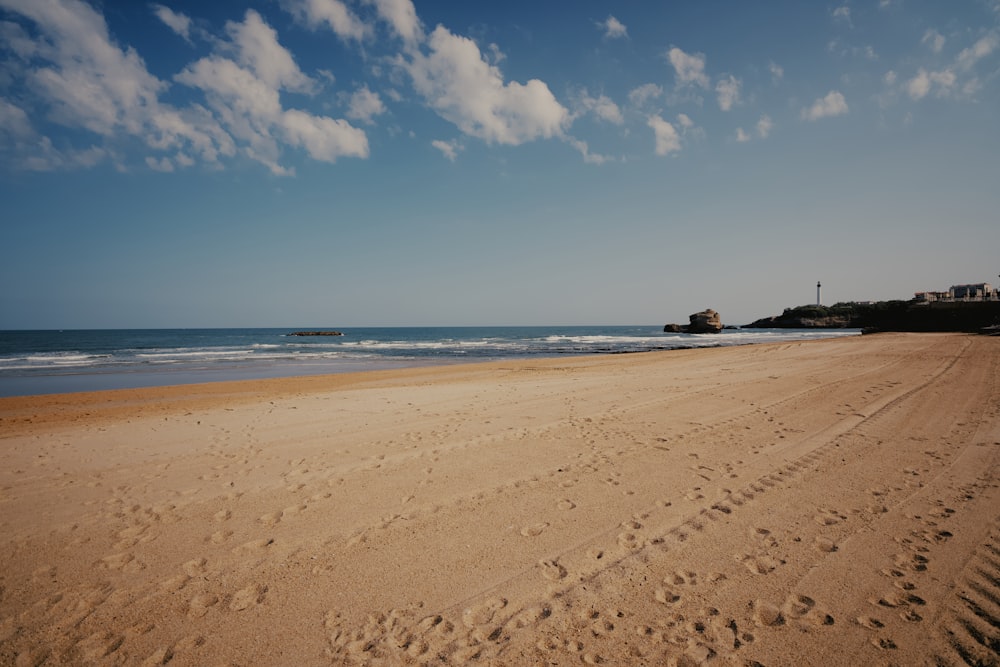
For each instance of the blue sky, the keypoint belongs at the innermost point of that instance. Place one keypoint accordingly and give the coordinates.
(388, 162)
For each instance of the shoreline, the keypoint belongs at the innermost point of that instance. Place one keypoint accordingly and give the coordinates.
(97, 360)
(826, 501)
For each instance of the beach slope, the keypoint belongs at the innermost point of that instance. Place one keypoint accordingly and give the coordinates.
(829, 502)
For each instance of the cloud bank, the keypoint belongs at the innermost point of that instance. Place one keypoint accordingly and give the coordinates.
(73, 95)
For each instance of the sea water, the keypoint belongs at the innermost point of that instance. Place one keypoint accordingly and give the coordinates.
(41, 362)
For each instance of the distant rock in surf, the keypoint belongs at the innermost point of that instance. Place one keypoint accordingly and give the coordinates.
(315, 333)
(707, 321)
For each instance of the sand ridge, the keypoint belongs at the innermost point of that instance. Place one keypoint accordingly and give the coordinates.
(825, 502)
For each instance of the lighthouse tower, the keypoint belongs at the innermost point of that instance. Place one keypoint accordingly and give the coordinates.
(818, 301)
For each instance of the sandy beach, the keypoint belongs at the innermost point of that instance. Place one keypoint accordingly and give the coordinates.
(829, 502)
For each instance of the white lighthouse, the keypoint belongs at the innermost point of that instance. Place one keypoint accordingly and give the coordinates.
(819, 302)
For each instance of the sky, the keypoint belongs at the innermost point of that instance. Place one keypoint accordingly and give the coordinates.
(444, 163)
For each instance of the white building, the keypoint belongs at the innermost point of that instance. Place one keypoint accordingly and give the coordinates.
(974, 292)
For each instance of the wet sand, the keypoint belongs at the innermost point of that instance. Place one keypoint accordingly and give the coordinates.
(815, 503)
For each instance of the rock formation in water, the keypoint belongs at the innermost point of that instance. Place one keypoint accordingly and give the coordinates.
(706, 321)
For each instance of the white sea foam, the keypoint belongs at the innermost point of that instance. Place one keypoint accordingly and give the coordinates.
(244, 352)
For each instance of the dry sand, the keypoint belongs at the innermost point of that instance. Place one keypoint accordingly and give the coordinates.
(815, 503)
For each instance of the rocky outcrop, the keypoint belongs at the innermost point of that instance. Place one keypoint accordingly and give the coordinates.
(787, 321)
(970, 316)
(707, 321)
(315, 333)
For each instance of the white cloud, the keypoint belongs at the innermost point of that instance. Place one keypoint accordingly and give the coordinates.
(933, 39)
(644, 93)
(245, 97)
(690, 68)
(777, 72)
(171, 128)
(921, 85)
(14, 121)
(14, 37)
(449, 149)
(728, 91)
(79, 78)
(842, 13)
(890, 78)
(613, 28)
(84, 79)
(584, 149)
(764, 126)
(325, 139)
(245, 104)
(163, 164)
(496, 55)
(946, 82)
(402, 17)
(466, 90)
(667, 140)
(982, 48)
(686, 127)
(176, 21)
(332, 13)
(833, 104)
(365, 105)
(257, 47)
(602, 106)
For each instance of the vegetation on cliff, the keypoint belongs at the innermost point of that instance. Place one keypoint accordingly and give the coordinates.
(888, 316)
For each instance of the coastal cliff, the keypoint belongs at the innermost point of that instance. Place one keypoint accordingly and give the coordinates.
(968, 316)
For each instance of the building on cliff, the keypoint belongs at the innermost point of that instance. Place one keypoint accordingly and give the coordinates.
(974, 292)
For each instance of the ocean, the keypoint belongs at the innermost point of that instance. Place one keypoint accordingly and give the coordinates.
(45, 362)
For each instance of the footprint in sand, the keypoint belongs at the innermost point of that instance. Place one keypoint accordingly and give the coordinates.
(194, 567)
(870, 622)
(629, 540)
(483, 613)
(200, 604)
(682, 578)
(767, 614)
(254, 545)
(99, 645)
(915, 562)
(552, 570)
(805, 608)
(534, 530)
(531, 616)
(220, 536)
(566, 504)
(271, 518)
(125, 562)
(174, 584)
(248, 597)
(824, 545)
(826, 517)
(759, 564)
(884, 643)
(666, 596)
